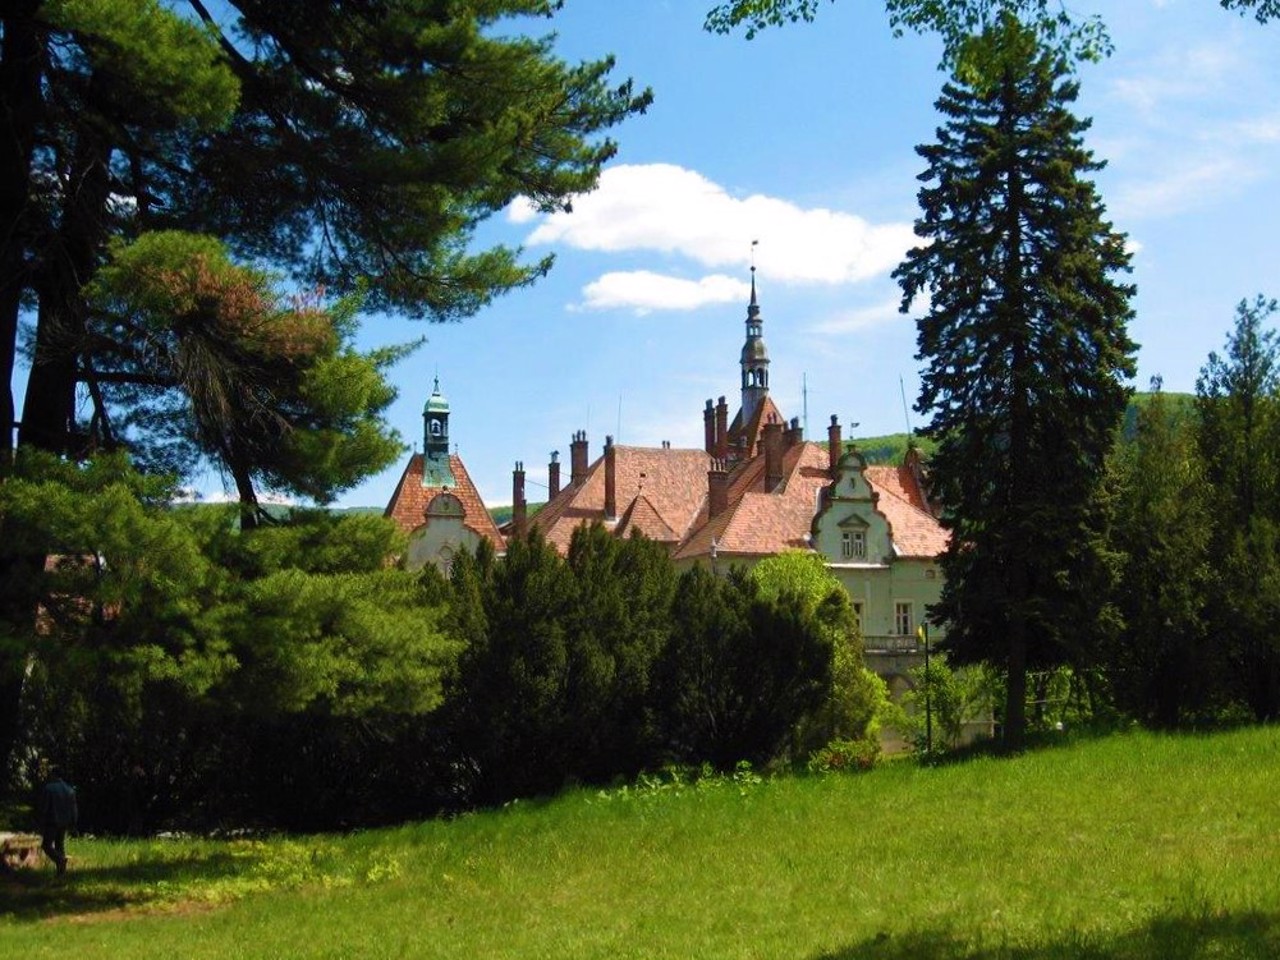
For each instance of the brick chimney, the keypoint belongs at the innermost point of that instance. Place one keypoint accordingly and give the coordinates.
(717, 489)
(578, 458)
(795, 433)
(519, 508)
(835, 445)
(722, 430)
(610, 480)
(709, 426)
(772, 443)
(553, 475)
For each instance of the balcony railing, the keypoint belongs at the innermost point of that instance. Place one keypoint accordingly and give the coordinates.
(893, 643)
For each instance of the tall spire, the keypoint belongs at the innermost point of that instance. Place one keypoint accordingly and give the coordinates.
(755, 357)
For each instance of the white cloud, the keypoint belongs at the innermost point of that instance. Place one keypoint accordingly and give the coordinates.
(862, 318)
(671, 210)
(1259, 129)
(1181, 75)
(1182, 187)
(645, 291)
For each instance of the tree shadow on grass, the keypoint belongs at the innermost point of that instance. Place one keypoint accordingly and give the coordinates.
(1200, 932)
(32, 895)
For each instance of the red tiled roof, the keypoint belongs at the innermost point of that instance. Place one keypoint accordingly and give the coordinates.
(409, 502)
(643, 516)
(916, 532)
(757, 523)
(749, 434)
(673, 484)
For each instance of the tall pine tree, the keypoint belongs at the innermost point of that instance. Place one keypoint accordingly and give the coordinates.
(1026, 351)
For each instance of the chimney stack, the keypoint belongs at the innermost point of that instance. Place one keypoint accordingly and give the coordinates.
(553, 475)
(795, 433)
(717, 489)
(709, 426)
(610, 480)
(578, 458)
(722, 430)
(835, 445)
(772, 455)
(519, 508)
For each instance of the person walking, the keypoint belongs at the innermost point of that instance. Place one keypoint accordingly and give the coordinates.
(57, 812)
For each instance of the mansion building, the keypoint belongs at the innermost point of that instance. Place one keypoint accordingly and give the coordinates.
(756, 488)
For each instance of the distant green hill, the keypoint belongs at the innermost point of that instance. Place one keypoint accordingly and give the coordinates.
(502, 515)
(892, 448)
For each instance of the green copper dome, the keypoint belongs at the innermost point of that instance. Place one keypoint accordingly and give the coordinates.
(436, 403)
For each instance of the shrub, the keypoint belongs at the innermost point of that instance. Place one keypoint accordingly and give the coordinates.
(845, 756)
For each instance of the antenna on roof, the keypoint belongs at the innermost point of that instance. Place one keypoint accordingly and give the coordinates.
(804, 392)
(618, 432)
(905, 414)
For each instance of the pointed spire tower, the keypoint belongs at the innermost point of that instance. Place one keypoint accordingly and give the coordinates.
(755, 358)
(436, 471)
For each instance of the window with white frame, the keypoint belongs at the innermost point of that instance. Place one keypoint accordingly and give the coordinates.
(903, 618)
(857, 613)
(853, 545)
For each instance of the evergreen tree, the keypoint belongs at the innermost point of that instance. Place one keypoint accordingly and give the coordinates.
(1238, 401)
(340, 142)
(507, 706)
(619, 627)
(1162, 669)
(1026, 351)
(741, 670)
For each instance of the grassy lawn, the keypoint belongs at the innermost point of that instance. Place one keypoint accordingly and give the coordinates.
(1134, 846)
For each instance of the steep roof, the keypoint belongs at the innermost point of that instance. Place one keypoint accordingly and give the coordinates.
(408, 504)
(748, 434)
(916, 532)
(658, 490)
(756, 523)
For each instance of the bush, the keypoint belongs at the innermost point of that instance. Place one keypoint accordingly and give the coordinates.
(845, 756)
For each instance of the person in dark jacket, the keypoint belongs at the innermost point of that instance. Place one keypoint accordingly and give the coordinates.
(57, 812)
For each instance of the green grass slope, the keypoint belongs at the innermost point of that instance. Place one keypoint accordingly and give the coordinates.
(1136, 846)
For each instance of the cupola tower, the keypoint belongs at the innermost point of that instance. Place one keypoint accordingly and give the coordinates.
(435, 447)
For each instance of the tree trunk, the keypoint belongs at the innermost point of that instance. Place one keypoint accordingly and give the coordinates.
(20, 63)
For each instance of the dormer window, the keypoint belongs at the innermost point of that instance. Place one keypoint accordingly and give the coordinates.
(853, 545)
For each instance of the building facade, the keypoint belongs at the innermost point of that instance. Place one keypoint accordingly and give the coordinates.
(435, 502)
(758, 488)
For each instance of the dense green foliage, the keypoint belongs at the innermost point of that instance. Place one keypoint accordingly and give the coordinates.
(163, 640)
(606, 663)
(1025, 350)
(1238, 402)
(345, 144)
(970, 47)
(1161, 665)
(355, 148)
(1043, 856)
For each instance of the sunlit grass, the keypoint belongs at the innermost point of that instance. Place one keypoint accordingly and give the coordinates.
(1134, 846)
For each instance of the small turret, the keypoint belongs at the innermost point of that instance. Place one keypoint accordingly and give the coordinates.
(435, 428)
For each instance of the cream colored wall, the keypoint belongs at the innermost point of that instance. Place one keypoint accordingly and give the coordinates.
(881, 580)
(852, 497)
(880, 589)
(439, 540)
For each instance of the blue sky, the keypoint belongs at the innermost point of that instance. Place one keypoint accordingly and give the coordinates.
(803, 139)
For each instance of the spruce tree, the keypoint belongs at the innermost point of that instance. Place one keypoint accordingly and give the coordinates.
(1238, 401)
(1025, 354)
(1163, 669)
